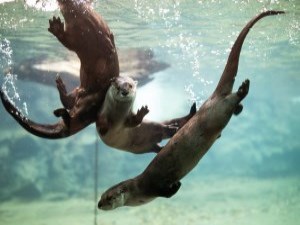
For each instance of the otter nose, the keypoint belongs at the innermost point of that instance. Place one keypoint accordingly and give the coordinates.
(125, 92)
(99, 205)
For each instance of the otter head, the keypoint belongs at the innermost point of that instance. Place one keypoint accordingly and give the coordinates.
(123, 89)
(126, 193)
(114, 197)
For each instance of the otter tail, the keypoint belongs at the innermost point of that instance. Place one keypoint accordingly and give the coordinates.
(54, 131)
(225, 84)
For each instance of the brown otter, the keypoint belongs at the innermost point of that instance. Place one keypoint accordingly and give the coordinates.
(87, 34)
(120, 128)
(182, 153)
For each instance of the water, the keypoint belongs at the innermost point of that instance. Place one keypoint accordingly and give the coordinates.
(250, 175)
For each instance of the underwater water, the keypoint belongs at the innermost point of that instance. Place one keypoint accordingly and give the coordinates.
(251, 175)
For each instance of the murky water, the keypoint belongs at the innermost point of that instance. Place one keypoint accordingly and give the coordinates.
(251, 174)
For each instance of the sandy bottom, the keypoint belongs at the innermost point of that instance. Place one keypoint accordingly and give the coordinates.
(207, 201)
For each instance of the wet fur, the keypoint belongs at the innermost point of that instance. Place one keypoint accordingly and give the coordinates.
(86, 33)
(119, 127)
(184, 150)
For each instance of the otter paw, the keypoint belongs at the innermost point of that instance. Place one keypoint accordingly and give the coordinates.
(102, 125)
(243, 89)
(170, 190)
(56, 27)
(141, 113)
(62, 112)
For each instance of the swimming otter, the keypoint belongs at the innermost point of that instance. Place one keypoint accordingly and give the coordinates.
(184, 150)
(86, 33)
(120, 128)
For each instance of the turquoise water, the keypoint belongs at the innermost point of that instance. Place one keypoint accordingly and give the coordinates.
(250, 176)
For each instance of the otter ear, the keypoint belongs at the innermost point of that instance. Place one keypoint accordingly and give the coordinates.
(136, 83)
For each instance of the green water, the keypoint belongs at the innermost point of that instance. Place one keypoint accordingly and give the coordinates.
(250, 176)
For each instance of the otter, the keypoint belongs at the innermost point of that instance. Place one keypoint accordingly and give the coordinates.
(120, 128)
(185, 149)
(86, 33)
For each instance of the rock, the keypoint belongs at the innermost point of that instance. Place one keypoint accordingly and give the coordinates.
(136, 63)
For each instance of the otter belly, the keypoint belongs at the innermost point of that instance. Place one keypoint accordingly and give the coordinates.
(117, 138)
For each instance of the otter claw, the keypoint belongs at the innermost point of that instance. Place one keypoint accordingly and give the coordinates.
(143, 111)
(56, 27)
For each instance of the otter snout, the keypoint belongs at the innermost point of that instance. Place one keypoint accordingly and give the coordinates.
(124, 92)
(99, 204)
(103, 206)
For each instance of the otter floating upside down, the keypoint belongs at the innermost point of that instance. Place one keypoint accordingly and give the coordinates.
(184, 150)
(87, 34)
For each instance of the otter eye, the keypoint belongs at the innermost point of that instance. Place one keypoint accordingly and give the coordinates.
(130, 85)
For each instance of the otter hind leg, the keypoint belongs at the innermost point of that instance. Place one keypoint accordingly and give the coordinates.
(234, 99)
(169, 131)
(156, 148)
(68, 100)
(169, 191)
(62, 112)
(180, 122)
(243, 89)
(238, 109)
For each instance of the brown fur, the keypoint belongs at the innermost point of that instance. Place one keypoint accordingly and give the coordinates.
(120, 128)
(182, 153)
(87, 34)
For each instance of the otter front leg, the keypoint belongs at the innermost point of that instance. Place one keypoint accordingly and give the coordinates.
(169, 191)
(135, 120)
(56, 27)
(102, 125)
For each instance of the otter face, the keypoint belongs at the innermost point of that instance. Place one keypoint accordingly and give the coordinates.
(113, 198)
(123, 89)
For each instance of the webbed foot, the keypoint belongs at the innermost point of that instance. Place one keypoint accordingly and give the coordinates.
(243, 89)
(62, 112)
(68, 100)
(60, 86)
